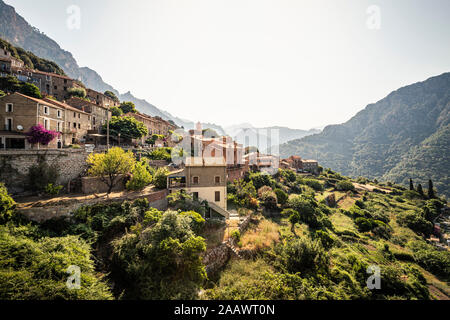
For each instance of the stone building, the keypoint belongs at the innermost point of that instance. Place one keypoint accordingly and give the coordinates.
(99, 115)
(77, 123)
(18, 113)
(311, 166)
(100, 99)
(204, 179)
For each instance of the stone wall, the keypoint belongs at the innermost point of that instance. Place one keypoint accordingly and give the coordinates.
(91, 185)
(216, 258)
(14, 165)
(43, 211)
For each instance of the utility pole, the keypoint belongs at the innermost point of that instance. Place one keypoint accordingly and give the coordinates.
(107, 128)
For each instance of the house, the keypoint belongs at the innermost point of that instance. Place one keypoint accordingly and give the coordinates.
(220, 147)
(311, 166)
(205, 179)
(100, 99)
(262, 162)
(99, 114)
(77, 123)
(18, 113)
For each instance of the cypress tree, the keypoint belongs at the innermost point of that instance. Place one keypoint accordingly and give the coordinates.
(411, 184)
(420, 190)
(430, 190)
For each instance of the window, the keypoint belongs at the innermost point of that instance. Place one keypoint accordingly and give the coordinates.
(58, 125)
(47, 78)
(65, 88)
(79, 116)
(9, 107)
(47, 124)
(195, 195)
(217, 180)
(59, 113)
(46, 110)
(55, 87)
(8, 124)
(195, 180)
(65, 80)
(74, 114)
(217, 196)
(74, 125)
(79, 126)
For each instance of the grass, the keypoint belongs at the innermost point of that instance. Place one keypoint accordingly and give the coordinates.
(262, 235)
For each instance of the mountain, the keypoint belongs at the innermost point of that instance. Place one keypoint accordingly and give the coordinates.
(405, 135)
(246, 134)
(15, 29)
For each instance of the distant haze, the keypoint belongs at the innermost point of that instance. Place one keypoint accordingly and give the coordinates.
(299, 64)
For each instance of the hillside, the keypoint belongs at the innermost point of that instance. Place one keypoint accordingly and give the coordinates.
(15, 29)
(404, 135)
(307, 238)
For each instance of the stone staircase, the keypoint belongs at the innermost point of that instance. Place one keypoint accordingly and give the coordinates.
(234, 251)
(219, 210)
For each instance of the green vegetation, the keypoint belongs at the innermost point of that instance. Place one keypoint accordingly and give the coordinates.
(109, 166)
(128, 107)
(111, 95)
(30, 60)
(116, 112)
(77, 92)
(378, 143)
(128, 127)
(141, 176)
(11, 84)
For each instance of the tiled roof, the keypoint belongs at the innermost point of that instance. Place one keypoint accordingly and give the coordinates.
(64, 105)
(33, 99)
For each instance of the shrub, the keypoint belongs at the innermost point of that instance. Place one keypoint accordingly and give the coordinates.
(197, 221)
(152, 216)
(345, 185)
(161, 154)
(7, 204)
(41, 175)
(37, 269)
(415, 222)
(261, 179)
(77, 92)
(325, 238)
(282, 196)
(141, 177)
(432, 260)
(160, 178)
(313, 183)
(160, 262)
(52, 189)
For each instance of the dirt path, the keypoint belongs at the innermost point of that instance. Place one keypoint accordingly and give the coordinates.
(368, 187)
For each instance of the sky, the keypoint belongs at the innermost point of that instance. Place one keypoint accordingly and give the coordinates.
(294, 63)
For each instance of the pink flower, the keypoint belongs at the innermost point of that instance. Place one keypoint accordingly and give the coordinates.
(38, 134)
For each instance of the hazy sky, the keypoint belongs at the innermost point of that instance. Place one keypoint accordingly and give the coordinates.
(293, 63)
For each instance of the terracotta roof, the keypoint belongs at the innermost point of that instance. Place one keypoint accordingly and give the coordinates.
(50, 74)
(64, 105)
(33, 99)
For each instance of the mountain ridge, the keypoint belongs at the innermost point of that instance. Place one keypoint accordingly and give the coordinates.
(377, 139)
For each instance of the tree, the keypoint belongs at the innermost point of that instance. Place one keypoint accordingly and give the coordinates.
(420, 189)
(160, 178)
(128, 127)
(111, 95)
(141, 177)
(10, 84)
(282, 196)
(38, 134)
(77, 92)
(431, 194)
(109, 166)
(128, 107)
(116, 112)
(293, 216)
(2, 94)
(30, 90)
(163, 261)
(411, 184)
